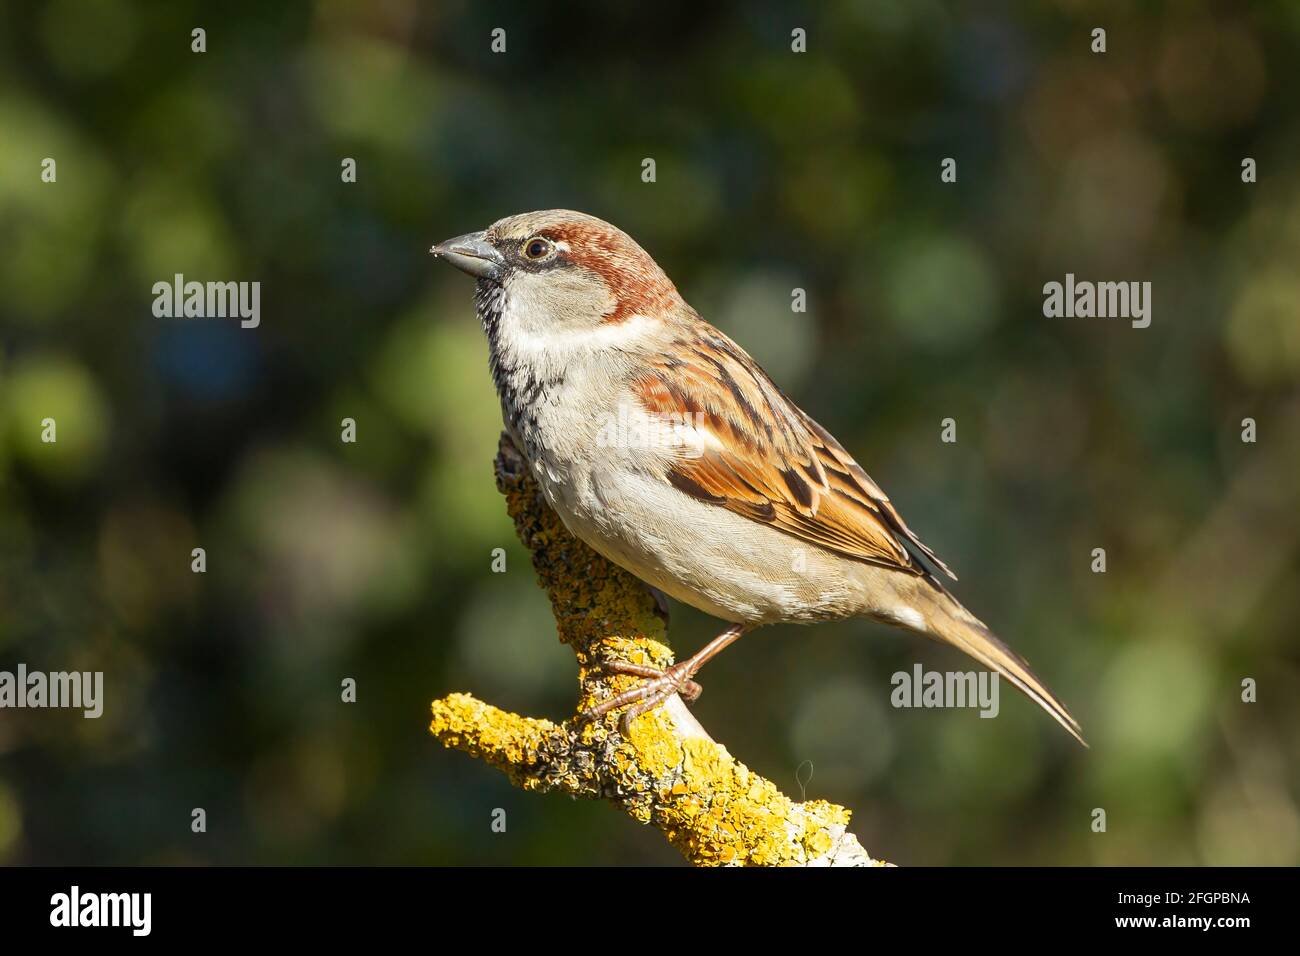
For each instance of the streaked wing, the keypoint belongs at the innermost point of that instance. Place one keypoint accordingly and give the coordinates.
(764, 458)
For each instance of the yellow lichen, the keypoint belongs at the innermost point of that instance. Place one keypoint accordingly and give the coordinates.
(655, 745)
(708, 805)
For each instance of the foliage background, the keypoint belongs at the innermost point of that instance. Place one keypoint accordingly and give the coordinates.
(775, 170)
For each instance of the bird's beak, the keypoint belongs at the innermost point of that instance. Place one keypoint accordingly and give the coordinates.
(471, 253)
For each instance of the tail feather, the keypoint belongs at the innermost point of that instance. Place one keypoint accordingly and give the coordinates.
(951, 623)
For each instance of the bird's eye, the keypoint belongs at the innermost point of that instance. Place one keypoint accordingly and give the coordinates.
(537, 248)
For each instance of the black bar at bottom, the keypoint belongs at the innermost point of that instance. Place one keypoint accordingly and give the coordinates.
(436, 906)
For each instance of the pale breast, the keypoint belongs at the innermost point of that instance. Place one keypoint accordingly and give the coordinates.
(707, 557)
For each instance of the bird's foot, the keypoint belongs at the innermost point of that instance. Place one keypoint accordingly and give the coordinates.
(658, 686)
(661, 683)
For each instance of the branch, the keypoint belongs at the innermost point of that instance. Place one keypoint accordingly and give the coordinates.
(667, 770)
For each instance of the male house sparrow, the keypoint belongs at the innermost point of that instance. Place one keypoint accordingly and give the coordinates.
(664, 446)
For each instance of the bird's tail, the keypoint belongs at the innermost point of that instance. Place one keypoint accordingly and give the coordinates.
(951, 623)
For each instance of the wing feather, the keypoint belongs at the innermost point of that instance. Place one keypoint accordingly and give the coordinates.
(769, 461)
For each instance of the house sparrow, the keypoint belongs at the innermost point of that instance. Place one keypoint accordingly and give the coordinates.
(664, 446)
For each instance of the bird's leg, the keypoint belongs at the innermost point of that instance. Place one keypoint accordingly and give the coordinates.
(662, 683)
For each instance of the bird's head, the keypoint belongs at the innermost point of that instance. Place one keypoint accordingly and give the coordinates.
(563, 270)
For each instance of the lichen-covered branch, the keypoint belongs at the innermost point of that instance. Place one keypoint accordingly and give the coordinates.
(666, 770)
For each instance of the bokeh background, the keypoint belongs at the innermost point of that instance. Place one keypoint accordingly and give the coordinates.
(775, 170)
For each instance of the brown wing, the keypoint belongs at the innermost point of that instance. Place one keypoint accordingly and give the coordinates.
(767, 460)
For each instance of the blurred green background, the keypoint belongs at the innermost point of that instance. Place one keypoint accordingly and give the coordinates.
(775, 170)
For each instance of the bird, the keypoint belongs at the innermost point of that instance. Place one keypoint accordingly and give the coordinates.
(667, 449)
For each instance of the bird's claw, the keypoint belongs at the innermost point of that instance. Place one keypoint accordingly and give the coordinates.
(658, 685)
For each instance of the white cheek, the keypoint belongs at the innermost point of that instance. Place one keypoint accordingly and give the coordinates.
(546, 324)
